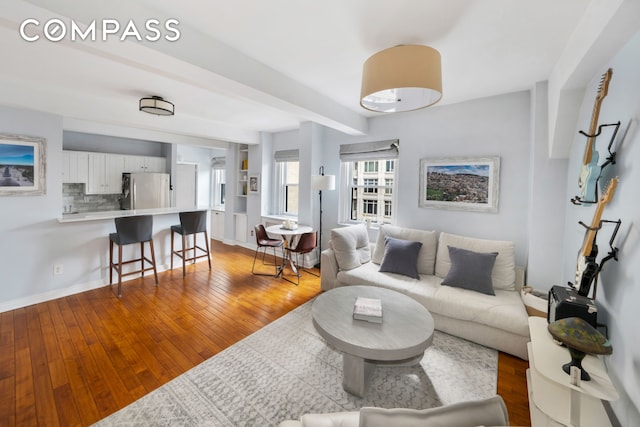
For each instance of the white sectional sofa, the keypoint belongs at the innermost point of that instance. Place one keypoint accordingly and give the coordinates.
(473, 269)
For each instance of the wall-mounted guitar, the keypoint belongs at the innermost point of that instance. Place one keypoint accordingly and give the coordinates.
(587, 266)
(590, 172)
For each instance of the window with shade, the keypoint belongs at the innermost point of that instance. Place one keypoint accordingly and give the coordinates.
(368, 178)
(287, 178)
(218, 183)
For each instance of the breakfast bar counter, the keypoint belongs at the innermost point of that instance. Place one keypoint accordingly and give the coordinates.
(95, 216)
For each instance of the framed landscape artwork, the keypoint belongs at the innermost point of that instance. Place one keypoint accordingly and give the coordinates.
(22, 165)
(464, 183)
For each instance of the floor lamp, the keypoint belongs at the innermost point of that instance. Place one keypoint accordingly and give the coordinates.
(322, 183)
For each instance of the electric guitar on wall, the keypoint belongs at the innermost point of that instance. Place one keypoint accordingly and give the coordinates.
(587, 267)
(590, 169)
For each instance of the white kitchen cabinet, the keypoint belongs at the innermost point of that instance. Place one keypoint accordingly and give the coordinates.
(75, 167)
(217, 225)
(144, 164)
(105, 173)
(155, 164)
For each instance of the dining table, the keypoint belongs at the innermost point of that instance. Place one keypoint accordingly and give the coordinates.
(290, 237)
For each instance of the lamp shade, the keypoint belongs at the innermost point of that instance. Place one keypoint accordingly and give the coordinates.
(323, 182)
(401, 78)
(156, 105)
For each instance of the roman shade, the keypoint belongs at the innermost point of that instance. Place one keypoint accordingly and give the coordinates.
(218, 163)
(375, 150)
(286, 156)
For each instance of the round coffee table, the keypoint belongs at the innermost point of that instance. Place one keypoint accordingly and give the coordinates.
(404, 334)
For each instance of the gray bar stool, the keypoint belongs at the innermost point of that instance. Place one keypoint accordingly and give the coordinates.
(191, 223)
(129, 230)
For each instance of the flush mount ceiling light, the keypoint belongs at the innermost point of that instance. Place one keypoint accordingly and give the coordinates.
(401, 78)
(156, 105)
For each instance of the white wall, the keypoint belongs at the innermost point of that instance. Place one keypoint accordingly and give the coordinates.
(29, 231)
(485, 127)
(201, 156)
(547, 201)
(618, 292)
(33, 240)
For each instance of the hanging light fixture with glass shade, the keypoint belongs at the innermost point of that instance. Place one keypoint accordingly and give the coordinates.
(156, 105)
(401, 78)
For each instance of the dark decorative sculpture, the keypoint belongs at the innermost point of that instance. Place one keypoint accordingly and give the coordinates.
(581, 339)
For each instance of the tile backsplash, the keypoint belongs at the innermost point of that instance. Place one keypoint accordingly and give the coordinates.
(75, 200)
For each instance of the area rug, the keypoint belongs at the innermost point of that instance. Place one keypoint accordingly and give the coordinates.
(286, 369)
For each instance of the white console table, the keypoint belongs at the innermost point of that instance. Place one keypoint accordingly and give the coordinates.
(553, 401)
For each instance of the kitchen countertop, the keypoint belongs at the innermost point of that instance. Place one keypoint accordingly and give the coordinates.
(95, 216)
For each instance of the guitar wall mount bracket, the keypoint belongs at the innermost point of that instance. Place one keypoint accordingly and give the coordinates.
(610, 160)
(612, 254)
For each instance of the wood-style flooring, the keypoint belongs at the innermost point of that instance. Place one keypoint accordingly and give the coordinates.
(75, 360)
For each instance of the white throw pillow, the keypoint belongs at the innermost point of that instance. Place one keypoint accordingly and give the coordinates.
(351, 246)
(427, 254)
(503, 274)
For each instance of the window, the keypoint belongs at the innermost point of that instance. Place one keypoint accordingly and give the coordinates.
(365, 194)
(287, 172)
(390, 166)
(367, 178)
(388, 183)
(371, 185)
(387, 208)
(291, 188)
(370, 207)
(371, 166)
(219, 183)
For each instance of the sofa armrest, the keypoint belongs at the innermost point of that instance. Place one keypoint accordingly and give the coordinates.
(520, 277)
(336, 419)
(328, 270)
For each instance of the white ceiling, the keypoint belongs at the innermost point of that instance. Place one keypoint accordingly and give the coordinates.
(245, 66)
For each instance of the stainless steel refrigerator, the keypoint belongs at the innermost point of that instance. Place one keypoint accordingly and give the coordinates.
(145, 190)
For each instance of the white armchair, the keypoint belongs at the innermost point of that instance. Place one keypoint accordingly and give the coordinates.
(487, 412)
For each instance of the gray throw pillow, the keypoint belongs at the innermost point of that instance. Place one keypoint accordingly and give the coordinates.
(401, 257)
(471, 270)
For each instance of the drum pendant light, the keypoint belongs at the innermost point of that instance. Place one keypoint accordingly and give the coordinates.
(401, 78)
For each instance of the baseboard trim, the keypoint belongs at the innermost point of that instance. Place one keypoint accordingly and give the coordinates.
(71, 290)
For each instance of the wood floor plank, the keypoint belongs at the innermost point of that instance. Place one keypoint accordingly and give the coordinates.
(46, 411)
(75, 360)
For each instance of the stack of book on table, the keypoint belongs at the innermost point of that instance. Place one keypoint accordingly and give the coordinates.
(369, 309)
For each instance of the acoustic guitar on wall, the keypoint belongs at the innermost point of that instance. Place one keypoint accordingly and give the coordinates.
(587, 266)
(590, 171)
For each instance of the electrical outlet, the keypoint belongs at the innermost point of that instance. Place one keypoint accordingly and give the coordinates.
(251, 232)
(58, 269)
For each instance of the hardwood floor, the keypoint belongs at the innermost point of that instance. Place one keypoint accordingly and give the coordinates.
(75, 360)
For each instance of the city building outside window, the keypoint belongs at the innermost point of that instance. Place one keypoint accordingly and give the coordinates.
(368, 175)
(370, 184)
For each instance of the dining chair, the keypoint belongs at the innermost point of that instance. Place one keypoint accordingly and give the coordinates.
(191, 223)
(264, 242)
(307, 243)
(130, 230)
